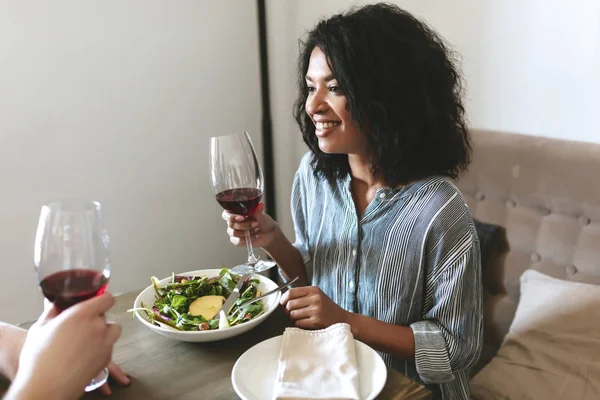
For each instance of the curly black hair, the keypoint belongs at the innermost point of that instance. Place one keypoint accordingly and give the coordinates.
(402, 88)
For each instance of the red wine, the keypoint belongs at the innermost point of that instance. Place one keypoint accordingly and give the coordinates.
(242, 201)
(69, 287)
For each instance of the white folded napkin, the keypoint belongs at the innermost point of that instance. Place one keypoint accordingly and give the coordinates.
(317, 365)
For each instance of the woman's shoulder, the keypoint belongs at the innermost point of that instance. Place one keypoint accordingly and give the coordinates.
(438, 188)
(305, 171)
(305, 162)
(444, 205)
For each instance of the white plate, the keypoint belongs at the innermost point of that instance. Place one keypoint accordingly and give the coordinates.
(148, 295)
(253, 375)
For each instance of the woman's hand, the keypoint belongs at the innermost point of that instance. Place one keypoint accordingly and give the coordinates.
(309, 308)
(261, 226)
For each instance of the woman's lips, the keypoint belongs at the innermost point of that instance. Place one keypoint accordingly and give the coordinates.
(325, 128)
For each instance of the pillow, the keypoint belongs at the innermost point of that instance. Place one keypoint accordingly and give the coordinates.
(552, 350)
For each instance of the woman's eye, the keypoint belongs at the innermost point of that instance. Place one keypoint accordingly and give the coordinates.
(310, 89)
(335, 89)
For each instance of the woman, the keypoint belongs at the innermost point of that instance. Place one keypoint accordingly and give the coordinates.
(61, 352)
(382, 234)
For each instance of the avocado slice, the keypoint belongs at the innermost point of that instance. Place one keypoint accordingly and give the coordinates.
(207, 306)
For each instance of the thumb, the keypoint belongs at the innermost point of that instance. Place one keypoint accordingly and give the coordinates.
(47, 304)
(258, 211)
(50, 311)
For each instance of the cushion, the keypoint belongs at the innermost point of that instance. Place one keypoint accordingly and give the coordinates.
(552, 350)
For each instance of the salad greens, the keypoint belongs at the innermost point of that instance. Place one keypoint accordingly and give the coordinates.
(172, 304)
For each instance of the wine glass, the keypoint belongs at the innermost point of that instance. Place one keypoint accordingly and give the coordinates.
(71, 257)
(237, 181)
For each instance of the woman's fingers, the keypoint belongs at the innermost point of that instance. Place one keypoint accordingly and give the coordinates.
(239, 222)
(241, 241)
(295, 293)
(234, 218)
(236, 233)
(259, 226)
(301, 313)
(260, 208)
(297, 305)
(244, 226)
(305, 323)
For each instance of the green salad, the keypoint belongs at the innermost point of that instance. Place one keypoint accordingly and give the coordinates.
(191, 303)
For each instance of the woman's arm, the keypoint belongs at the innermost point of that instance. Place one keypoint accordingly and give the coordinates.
(448, 338)
(288, 258)
(292, 259)
(310, 308)
(388, 338)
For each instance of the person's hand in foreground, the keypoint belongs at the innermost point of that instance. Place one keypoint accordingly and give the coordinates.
(65, 350)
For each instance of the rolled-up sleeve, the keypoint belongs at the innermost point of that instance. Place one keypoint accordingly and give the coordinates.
(449, 337)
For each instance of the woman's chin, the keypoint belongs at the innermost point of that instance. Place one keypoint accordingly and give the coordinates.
(328, 151)
(328, 148)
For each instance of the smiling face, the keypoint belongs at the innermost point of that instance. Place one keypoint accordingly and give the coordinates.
(336, 130)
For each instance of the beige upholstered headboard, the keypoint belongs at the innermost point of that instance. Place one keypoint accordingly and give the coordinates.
(546, 195)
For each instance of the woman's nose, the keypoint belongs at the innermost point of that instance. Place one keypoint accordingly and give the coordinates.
(315, 102)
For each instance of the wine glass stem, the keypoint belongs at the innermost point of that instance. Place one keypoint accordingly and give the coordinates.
(251, 257)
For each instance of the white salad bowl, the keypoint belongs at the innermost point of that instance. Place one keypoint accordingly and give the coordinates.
(148, 296)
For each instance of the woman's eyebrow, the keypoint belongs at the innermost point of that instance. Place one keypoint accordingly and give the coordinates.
(328, 78)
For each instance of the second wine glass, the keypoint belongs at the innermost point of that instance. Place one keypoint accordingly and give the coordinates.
(237, 181)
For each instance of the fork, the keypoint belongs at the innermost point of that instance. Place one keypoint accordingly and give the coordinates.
(270, 292)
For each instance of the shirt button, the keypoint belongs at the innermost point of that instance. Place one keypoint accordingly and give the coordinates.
(382, 195)
(353, 252)
(351, 285)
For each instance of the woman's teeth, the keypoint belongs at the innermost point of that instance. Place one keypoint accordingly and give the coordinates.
(326, 125)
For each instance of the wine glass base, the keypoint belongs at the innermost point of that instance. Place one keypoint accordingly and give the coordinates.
(98, 381)
(254, 267)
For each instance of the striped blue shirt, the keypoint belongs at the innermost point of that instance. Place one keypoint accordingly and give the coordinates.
(411, 259)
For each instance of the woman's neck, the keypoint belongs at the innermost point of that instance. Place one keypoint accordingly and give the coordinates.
(363, 185)
(360, 169)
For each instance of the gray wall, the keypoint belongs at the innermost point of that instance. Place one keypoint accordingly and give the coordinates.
(115, 101)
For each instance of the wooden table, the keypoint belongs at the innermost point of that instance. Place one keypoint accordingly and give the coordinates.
(162, 368)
